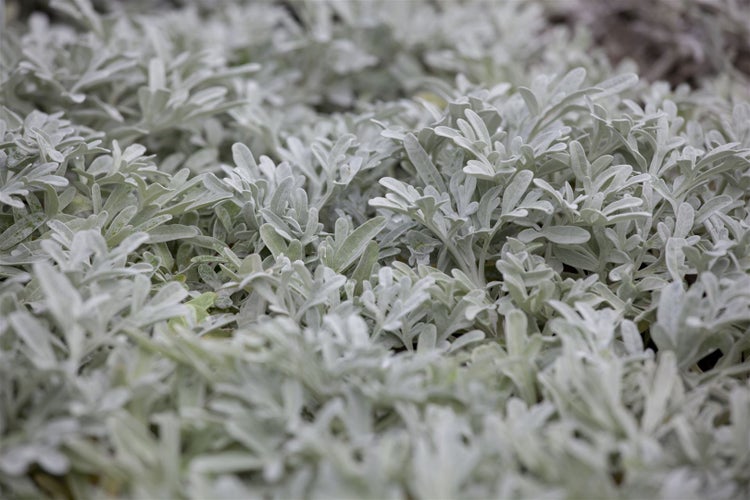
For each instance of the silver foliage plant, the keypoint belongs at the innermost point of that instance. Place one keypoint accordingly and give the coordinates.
(365, 250)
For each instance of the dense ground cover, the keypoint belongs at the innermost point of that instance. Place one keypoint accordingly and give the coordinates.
(353, 249)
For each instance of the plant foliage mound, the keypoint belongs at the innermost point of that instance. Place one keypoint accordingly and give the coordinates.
(365, 250)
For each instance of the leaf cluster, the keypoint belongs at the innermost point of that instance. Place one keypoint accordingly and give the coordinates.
(346, 250)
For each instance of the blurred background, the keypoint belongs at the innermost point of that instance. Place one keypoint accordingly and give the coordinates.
(679, 41)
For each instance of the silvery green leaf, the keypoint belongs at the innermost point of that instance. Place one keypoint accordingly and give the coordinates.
(515, 190)
(171, 232)
(466, 339)
(674, 257)
(425, 168)
(480, 128)
(273, 240)
(631, 337)
(616, 85)
(21, 230)
(572, 81)
(63, 299)
(578, 162)
(226, 462)
(685, 221)
(244, 160)
(36, 338)
(530, 99)
(354, 244)
(427, 340)
(663, 386)
(562, 235)
(367, 261)
(712, 206)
